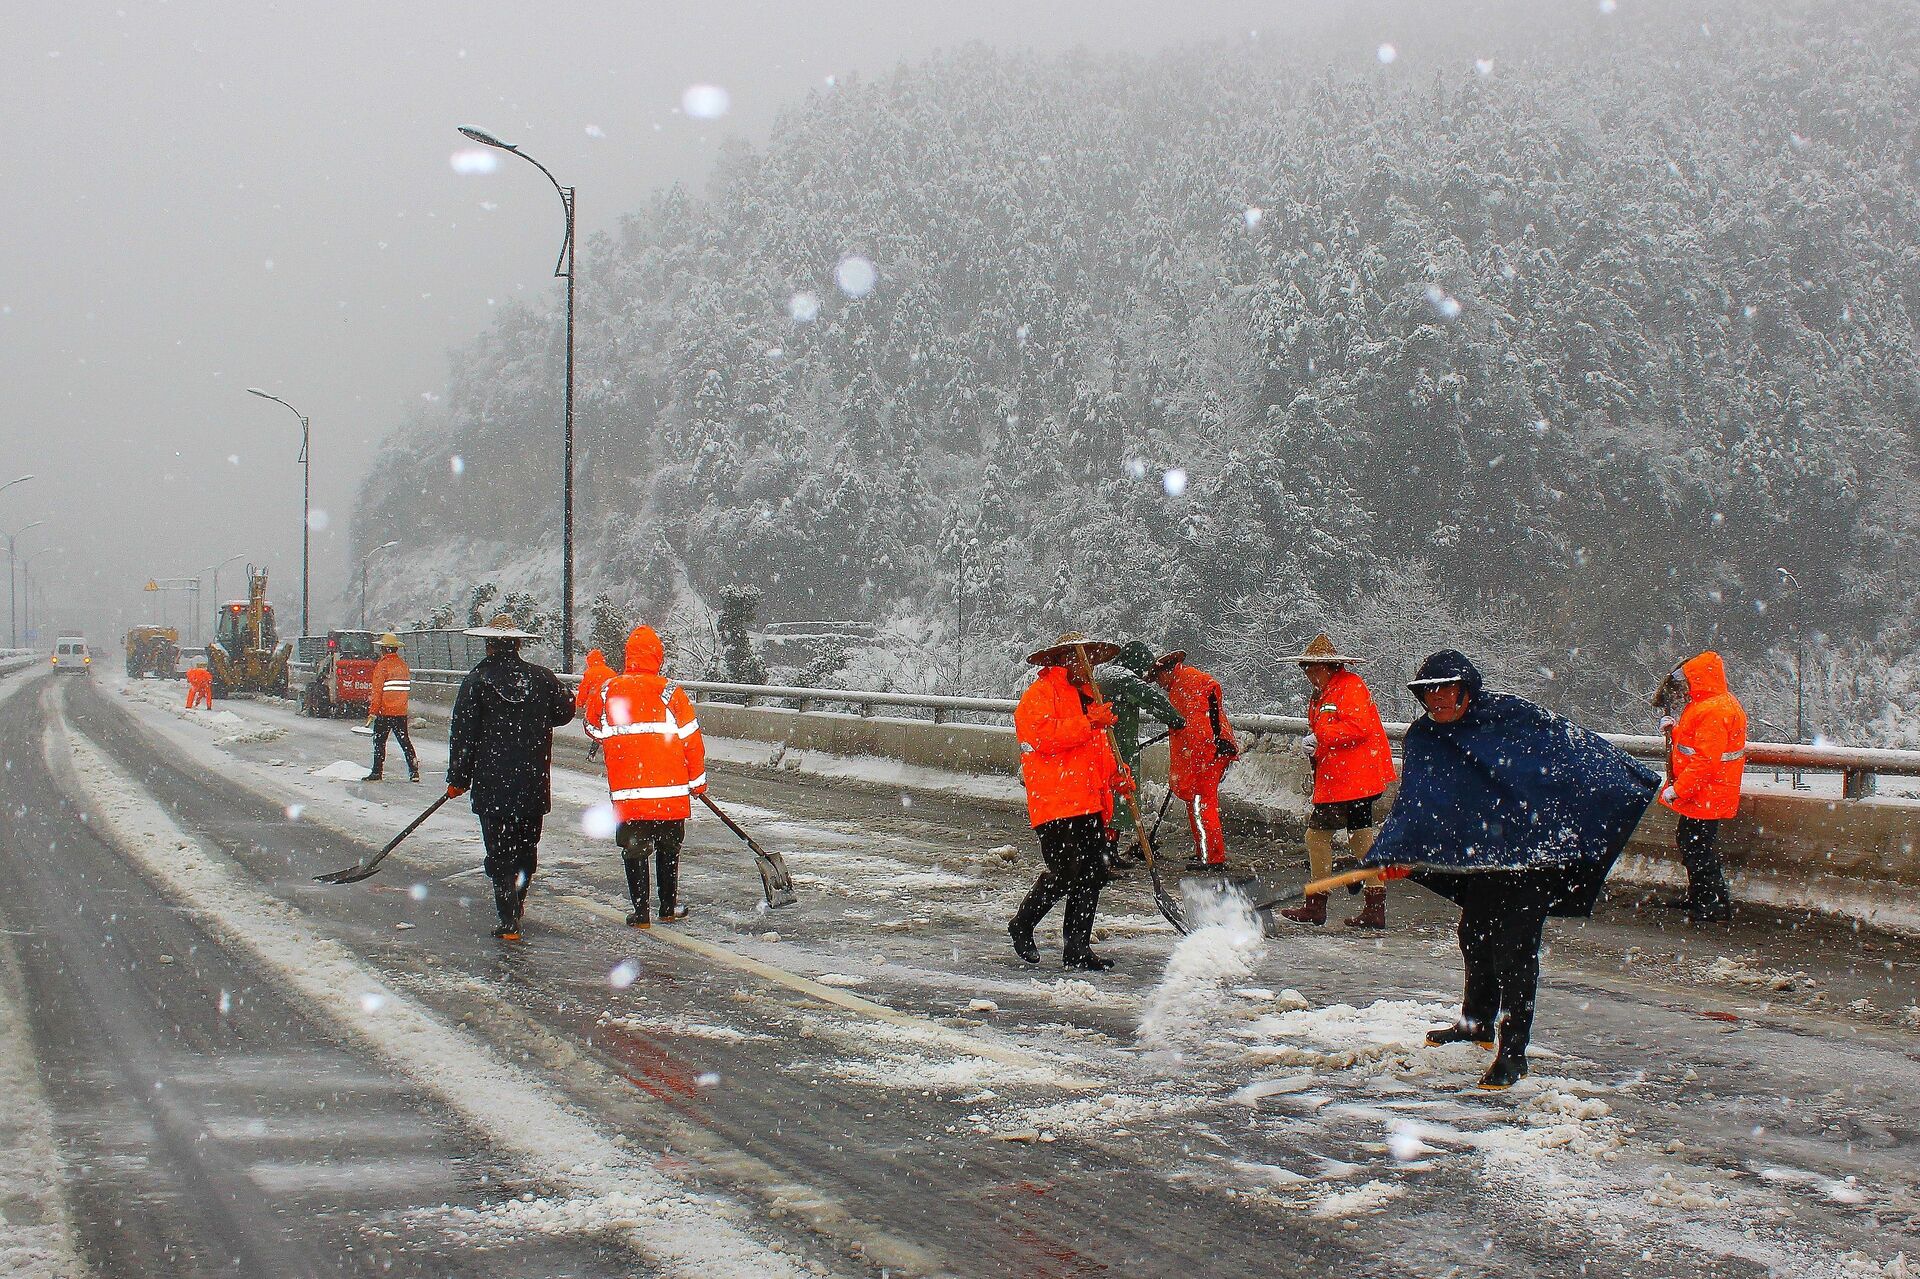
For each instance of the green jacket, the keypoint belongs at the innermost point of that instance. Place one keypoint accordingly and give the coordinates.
(1132, 698)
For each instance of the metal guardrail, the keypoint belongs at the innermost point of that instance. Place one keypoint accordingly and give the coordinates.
(1857, 765)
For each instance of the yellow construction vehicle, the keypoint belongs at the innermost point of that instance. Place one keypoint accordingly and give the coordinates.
(246, 655)
(153, 650)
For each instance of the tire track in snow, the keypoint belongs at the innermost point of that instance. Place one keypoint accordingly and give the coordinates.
(688, 1233)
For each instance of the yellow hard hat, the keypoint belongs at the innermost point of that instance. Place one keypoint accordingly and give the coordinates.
(390, 640)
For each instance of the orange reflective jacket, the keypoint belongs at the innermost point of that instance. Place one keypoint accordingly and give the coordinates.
(655, 756)
(1064, 760)
(388, 686)
(595, 673)
(1709, 744)
(1352, 758)
(1194, 761)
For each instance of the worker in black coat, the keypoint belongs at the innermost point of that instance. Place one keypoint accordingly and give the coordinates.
(501, 749)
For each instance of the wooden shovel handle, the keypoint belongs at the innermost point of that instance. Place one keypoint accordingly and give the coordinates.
(1371, 875)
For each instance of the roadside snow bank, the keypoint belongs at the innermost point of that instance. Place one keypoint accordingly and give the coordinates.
(38, 1241)
(684, 1231)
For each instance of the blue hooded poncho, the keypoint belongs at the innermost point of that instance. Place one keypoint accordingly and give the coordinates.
(1510, 787)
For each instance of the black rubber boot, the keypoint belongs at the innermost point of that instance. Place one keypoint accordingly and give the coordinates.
(1086, 961)
(638, 918)
(1508, 1069)
(373, 777)
(1460, 1032)
(505, 905)
(1023, 943)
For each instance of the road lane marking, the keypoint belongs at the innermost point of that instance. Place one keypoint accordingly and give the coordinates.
(946, 1036)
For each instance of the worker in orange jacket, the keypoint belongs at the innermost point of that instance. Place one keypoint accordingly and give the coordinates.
(1705, 763)
(199, 687)
(388, 689)
(1071, 777)
(1352, 767)
(1199, 753)
(656, 762)
(595, 673)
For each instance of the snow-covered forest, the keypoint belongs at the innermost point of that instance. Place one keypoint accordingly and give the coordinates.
(1556, 334)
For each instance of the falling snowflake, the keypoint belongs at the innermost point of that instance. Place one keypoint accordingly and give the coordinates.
(1386, 53)
(418, 892)
(803, 307)
(318, 521)
(1137, 467)
(705, 101)
(855, 276)
(599, 821)
(470, 161)
(1175, 482)
(1252, 217)
(624, 974)
(457, 464)
(1444, 304)
(372, 1002)
(1483, 66)
(595, 131)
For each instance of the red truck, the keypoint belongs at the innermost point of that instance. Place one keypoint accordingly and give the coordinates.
(342, 682)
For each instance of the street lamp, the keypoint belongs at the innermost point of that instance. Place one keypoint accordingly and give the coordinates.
(13, 631)
(306, 496)
(26, 583)
(563, 269)
(363, 578)
(215, 570)
(10, 483)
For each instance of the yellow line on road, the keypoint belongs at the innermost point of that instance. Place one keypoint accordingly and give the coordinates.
(954, 1040)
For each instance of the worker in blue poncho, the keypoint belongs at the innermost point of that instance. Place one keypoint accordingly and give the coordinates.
(1515, 814)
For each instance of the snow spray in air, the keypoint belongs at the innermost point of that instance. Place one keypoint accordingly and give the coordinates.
(1224, 945)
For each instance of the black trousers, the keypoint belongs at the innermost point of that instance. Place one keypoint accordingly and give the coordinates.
(1500, 936)
(513, 854)
(1707, 892)
(397, 725)
(663, 840)
(1075, 850)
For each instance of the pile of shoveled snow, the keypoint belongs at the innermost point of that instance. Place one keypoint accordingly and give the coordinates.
(1388, 1033)
(342, 770)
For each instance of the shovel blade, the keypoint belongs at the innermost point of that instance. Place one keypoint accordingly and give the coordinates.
(351, 875)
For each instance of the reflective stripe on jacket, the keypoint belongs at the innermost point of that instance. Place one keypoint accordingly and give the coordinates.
(1065, 762)
(1353, 759)
(389, 685)
(1709, 744)
(656, 758)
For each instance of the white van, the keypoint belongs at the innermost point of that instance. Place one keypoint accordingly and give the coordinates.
(70, 655)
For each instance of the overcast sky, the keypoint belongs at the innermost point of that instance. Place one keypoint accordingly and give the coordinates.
(204, 197)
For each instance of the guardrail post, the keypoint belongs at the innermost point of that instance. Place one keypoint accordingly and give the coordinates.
(1856, 783)
(866, 710)
(939, 714)
(803, 704)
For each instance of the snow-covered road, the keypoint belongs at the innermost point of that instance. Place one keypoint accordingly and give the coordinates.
(869, 1082)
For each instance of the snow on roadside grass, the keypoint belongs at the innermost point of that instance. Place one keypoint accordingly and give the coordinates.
(685, 1231)
(38, 1242)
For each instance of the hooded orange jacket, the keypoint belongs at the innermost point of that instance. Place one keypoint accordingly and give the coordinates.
(389, 684)
(1353, 759)
(1709, 744)
(1065, 762)
(656, 758)
(1194, 761)
(595, 673)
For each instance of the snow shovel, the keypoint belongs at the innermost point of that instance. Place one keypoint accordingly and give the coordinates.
(1170, 908)
(363, 870)
(775, 880)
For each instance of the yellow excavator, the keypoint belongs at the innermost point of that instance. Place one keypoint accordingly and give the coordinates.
(246, 655)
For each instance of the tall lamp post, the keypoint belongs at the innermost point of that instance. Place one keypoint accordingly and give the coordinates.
(194, 636)
(363, 577)
(563, 269)
(306, 496)
(13, 630)
(26, 583)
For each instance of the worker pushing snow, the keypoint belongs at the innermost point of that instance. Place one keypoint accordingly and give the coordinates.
(199, 688)
(500, 747)
(1134, 699)
(1514, 814)
(656, 763)
(1202, 749)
